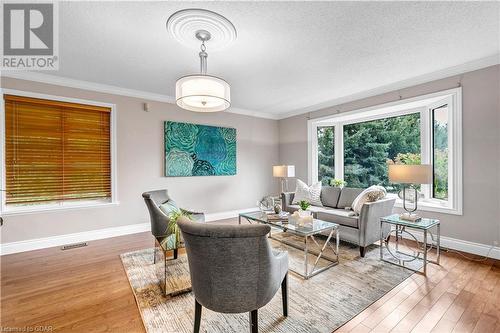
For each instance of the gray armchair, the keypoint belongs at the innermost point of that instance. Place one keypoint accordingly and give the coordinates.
(233, 268)
(159, 220)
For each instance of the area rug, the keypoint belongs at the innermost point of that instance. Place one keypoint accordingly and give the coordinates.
(321, 304)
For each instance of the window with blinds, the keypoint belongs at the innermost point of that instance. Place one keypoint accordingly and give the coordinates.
(56, 152)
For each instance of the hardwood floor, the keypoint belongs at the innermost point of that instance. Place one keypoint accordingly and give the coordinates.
(86, 290)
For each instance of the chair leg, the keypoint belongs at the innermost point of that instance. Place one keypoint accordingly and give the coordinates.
(197, 316)
(254, 322)
(154, 253)
(362, 251)
(175, 253)
(284, 295)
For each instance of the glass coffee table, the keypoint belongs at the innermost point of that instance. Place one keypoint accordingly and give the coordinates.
(307, 232)
(401, 227)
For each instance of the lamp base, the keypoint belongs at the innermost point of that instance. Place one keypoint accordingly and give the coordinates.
(284, 185)
(410, 217)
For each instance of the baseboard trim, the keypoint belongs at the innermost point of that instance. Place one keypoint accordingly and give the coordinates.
(462, 245)
(210, 217)
(46, 242)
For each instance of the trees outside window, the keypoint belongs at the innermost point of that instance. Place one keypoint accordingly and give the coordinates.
(326, 155)
(440, 152)
(370, 146)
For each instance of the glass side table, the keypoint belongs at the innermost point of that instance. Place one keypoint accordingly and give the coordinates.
(421, 253)
(172, 272)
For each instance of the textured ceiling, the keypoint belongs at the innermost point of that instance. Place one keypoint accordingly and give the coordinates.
(289, 56)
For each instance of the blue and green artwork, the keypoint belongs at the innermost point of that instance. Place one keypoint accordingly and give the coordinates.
(199, 150)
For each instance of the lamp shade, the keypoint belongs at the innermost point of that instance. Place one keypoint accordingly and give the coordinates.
(202, 93)
(410, 174)
(284, 171)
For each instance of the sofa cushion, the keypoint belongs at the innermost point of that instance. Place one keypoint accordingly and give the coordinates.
(371, 194)
(310, 194)
(314, 209)
(347, 196)
(339, 216)
(330, 196)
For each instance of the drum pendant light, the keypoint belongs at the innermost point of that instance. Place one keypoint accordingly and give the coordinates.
(201, 92)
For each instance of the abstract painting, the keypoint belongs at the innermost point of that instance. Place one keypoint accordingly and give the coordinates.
(199, 150)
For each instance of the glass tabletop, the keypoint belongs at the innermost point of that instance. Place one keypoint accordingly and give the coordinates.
(313, 228)
(424, 223)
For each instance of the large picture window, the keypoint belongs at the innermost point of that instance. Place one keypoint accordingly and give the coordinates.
(357, 146)
(56, 153)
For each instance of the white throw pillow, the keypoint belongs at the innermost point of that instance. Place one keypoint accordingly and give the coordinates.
(310, 194)
(371, 194)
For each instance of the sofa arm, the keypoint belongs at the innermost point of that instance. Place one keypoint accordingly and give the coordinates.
(369, 220)
(286, 200)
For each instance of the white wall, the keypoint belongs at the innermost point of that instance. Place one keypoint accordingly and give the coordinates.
(140, 158)
(480, 222)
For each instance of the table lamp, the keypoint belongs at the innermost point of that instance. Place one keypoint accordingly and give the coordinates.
(284, 172)
(410, 174)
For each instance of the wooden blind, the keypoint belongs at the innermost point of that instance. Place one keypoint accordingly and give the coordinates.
(56, 151)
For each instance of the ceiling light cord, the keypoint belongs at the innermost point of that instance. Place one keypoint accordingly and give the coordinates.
(203, 59)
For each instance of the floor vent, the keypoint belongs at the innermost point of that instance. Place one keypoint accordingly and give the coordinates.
(73, 246)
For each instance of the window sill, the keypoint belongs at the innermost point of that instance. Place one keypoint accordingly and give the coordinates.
(12, 211)
(430, 207)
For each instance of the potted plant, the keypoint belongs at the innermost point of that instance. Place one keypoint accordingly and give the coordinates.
(337, 183)
(174, 240)
(304, 205)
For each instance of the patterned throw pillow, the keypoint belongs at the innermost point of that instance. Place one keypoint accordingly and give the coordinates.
(310, 194)
(169, 207)
(378, 193)
(371, 194)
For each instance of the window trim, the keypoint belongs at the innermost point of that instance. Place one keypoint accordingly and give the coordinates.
(19, 210)
(398, 108)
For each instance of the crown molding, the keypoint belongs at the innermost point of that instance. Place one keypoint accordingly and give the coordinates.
(114, 90)
(429, 77)
(109, 89)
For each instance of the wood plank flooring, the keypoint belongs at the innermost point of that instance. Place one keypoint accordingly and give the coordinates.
(86, 290)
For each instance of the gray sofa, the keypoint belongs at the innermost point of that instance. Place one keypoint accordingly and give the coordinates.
(361, 230)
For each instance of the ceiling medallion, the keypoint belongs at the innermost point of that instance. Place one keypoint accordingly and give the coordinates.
(184, 24)
(202, 92)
